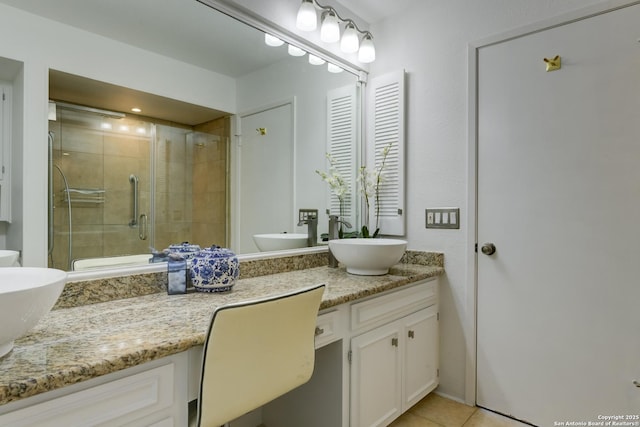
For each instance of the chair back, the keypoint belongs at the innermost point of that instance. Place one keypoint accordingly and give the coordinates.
(256, 351)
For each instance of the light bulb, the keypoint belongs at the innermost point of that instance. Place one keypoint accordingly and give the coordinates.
(307, 19)
(295, 51)
(272, 40)
(330, 29)
(314, 60)
(350, 42)
(367, 52)
(333, 68)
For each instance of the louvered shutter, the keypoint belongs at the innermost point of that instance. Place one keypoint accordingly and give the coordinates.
(386, 126)
(341, 145)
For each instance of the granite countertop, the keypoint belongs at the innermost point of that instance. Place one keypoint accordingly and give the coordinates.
(78, 343)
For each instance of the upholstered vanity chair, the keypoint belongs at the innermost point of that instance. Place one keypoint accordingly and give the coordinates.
(256, 351)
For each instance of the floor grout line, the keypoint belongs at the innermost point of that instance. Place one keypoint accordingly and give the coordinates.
(475, 409)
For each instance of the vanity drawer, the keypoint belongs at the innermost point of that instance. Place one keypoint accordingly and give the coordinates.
(327, 328)
(398, 303)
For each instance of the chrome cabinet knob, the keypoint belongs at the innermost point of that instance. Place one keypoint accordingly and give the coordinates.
(488, 249)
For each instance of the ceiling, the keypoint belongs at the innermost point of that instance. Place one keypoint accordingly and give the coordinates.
(185, 30)
(373, 11)
(80, 90)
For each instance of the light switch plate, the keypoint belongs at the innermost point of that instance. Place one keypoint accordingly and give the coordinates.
(442, 218)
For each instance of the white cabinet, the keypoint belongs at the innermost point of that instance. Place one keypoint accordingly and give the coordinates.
(421, 339)
(394, 365)
(5, 152)
(149, 395)
(376, 377)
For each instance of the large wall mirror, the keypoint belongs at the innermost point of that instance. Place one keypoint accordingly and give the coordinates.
(123, 183)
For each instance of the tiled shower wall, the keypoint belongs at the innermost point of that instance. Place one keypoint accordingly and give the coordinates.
(191, 183)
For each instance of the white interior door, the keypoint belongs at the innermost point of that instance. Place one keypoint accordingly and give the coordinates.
(266, 171)
(559, 197)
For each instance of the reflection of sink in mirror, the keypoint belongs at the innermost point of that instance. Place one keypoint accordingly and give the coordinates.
(26, 295)
(280, 241)
(8, 258)
(368, 257)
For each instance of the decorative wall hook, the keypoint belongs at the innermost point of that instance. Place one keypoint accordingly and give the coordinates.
(554, 63)
(261, 131)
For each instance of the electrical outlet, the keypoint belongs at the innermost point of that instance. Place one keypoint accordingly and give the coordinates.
(442, 218)
(307, 214)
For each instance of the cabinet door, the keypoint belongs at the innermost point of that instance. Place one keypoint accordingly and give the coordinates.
(376, 377)
(420, 373)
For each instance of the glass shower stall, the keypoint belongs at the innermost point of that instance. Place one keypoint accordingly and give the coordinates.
(121, 186)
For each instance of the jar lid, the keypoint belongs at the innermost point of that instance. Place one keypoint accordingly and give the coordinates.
(216, 251)
(184, 247)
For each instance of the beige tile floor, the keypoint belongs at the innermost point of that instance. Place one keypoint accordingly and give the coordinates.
(437, 411)
(433, 411)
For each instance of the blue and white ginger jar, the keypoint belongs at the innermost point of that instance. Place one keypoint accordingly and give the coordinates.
(214, 269)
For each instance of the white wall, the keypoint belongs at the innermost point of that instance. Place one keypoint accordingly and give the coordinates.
(430, 41)
(42, 44)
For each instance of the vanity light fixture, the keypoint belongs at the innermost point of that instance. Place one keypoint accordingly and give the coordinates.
(350, 43)
(295, 51)
(136, 110)
(307, 20)
(270, 40)
(367, 52)
(330, 29)
(105, 125)
(314, 60)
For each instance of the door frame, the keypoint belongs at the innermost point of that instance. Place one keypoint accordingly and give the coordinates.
(473, 51)
(234, 163)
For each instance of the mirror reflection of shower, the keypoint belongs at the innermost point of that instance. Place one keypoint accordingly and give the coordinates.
(99, 215)
(52, 165)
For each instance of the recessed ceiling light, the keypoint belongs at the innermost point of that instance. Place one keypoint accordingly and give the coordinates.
(136, 110)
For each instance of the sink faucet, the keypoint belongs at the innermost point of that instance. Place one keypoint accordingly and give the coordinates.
(309, 217)
(334, 220)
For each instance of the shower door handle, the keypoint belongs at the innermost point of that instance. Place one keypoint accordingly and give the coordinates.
(135, 181)
(142, 230)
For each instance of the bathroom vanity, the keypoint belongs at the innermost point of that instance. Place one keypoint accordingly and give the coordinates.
(136, 361)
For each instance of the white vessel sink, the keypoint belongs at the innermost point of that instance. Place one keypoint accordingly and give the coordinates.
(8, 258)
(368, 257)
(26, 295)
(280, 241)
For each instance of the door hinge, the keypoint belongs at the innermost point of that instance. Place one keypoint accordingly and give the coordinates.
(438, 373)
(476, 248)
(349, 356)
(3, 96)
(438, 316)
